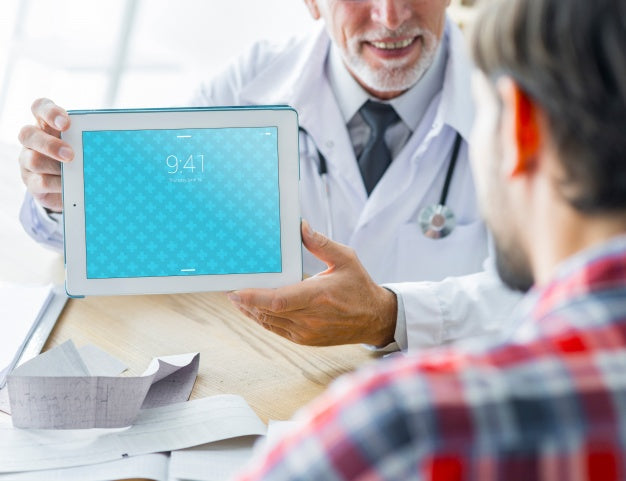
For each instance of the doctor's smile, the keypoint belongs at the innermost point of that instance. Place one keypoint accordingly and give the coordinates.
(393, 45)
(394, 48)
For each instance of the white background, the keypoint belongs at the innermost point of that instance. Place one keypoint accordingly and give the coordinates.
(67, 49)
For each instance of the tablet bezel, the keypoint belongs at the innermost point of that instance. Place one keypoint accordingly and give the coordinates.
(284, 118)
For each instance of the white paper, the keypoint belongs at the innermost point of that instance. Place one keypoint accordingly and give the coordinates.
(147, 466)
(55, 390)
(217, 461)
(20, 310)
(99, 362)
(62, 360)
(168, 428)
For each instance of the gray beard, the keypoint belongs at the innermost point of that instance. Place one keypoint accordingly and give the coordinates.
(394, 78)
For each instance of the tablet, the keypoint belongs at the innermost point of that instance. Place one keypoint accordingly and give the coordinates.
(181, 200)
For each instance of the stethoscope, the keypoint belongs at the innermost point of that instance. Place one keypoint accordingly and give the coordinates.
(435, 220)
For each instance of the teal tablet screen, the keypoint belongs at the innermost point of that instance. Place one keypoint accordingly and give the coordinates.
(181, 202)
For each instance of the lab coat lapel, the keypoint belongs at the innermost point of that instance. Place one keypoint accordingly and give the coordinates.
(298, 79)
(320, 116)
(457, 107)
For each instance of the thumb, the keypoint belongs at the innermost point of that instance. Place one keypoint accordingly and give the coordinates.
(328, 251)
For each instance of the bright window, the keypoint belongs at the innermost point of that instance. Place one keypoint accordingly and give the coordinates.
(125, 53)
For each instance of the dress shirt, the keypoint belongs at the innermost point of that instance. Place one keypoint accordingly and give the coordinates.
(548, 403)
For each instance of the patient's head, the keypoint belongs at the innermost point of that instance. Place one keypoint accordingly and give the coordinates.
(550, 133)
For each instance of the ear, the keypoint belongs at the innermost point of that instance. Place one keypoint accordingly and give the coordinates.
(313, 9)
(521, 116)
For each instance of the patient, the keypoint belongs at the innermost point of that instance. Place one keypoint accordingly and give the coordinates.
(548, 402)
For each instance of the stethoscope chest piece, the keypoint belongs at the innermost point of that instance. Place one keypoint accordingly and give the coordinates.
(436, 221)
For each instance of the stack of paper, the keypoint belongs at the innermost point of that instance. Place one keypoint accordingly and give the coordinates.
(206, 439)
(215, 461)
(168, 428)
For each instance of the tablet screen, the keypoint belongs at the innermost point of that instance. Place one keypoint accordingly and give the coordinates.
(181, 202)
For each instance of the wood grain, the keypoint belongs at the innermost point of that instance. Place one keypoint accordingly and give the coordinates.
(237, 356)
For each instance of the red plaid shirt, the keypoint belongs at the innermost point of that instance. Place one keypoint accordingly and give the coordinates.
(548, 403)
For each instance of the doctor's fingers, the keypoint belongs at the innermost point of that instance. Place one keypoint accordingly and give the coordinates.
(34, 138)
(267, 322)
(281, 300)
(33, 161)
(52, 202)
(42, 183)
(295, 329)
(300, 328)
(333, 254)
(279, 331)
(50, 117)
(42, 177)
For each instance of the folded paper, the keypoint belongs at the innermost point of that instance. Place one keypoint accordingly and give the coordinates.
(57, 390)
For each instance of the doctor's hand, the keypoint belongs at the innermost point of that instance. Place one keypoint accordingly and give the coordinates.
(341, 305)
(43, 151)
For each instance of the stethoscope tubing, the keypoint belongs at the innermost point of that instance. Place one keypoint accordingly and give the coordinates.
(455, 154)
(329, 220)
(322, 170)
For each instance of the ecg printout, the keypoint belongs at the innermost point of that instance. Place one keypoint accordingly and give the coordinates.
(57, 390)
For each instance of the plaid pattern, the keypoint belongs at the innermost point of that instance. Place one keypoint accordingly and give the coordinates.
(549, 403)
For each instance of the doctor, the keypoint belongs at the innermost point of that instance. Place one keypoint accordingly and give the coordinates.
(371, 175)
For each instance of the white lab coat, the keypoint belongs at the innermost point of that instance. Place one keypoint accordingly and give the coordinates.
(383, 228)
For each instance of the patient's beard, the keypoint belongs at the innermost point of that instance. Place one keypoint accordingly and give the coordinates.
(513, 267)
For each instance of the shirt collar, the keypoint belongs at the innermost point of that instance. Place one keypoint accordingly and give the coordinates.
(593, 261)
(410, 106)
(590, 269)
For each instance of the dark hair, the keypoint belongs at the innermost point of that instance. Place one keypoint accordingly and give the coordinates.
(569, 56)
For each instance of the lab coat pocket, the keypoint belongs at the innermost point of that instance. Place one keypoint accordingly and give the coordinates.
(421, 258)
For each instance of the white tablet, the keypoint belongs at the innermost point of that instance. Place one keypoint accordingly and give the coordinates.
(181, 200)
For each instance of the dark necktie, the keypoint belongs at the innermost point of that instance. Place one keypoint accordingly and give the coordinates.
(375, 158)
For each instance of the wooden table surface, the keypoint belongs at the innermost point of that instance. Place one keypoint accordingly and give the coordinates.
(275, 376)
(237, 356)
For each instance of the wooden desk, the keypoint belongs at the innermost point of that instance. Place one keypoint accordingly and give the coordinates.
(275, 376)
(237, 356)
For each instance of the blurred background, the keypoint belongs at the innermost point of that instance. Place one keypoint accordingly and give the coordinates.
(125, 53)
